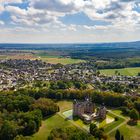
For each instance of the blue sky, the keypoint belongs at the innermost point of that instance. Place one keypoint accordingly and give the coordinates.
(68, 21)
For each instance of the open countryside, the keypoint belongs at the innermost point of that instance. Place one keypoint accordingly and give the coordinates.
(123, 71)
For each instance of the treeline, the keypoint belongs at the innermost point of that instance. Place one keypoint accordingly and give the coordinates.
(69, 133)
(108, 98)
(117, 87)
(114, 64)
(55, 85)
(21, 114)
(67, 84)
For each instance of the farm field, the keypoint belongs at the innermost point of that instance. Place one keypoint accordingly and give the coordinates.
(61, 60)
(124, 71)
(18, 56)
(54, 59)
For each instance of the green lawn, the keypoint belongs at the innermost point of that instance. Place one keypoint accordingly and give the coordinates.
(53, 122)
(125, 71)
(48, 125)
(108, 124)
(129, 132)
(65, 105)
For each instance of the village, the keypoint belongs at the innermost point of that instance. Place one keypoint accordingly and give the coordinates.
(15, 74)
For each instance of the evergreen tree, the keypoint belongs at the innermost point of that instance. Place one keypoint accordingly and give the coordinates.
(118, 135)
(122, 137)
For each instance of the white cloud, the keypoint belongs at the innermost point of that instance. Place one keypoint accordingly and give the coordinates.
(1, 22)
(44, 15)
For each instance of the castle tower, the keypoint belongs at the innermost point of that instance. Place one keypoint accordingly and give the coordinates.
(75, 109)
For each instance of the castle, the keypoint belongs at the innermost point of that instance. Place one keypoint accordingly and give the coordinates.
(87, 111)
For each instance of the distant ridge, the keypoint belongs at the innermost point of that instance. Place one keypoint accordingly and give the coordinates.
(131, 45)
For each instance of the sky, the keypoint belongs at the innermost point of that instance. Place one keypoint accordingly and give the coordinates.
(69, 21)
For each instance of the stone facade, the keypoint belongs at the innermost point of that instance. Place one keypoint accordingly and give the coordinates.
(80, 108)
(101, 113)
(86, 111)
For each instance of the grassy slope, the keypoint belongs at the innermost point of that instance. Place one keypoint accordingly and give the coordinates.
(48, 125)
(125, 71)
(53, 122)
(129, 132)
(65, 105)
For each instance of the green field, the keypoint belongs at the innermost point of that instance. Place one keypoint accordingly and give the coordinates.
(53, 122)
(129, 132)
(65, 105)
(125, 71)
(62, 60)
(48, 125)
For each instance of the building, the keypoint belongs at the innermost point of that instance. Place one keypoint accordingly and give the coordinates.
(101, 113)
(87, 111)
(80, 108)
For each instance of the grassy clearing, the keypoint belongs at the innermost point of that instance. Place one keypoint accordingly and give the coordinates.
(65, 105)
(125, 71)
(53, 122)
(48, 125)
(129, 132)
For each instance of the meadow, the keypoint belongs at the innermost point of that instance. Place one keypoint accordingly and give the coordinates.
(129, 132)
(53, 122)
(125, 71)
(48, 125)
(61, 60)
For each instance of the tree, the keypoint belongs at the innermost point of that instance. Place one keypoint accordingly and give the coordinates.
(77, 85)
(122, 137)
(137, 105)
(69, 133)
(93, 129)
(8, 130)
(134, 115)
(20, 137)
(31, 127)
(61, 85)
(47, 106)
(31, 121)
(118, 135)
(99, 134)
